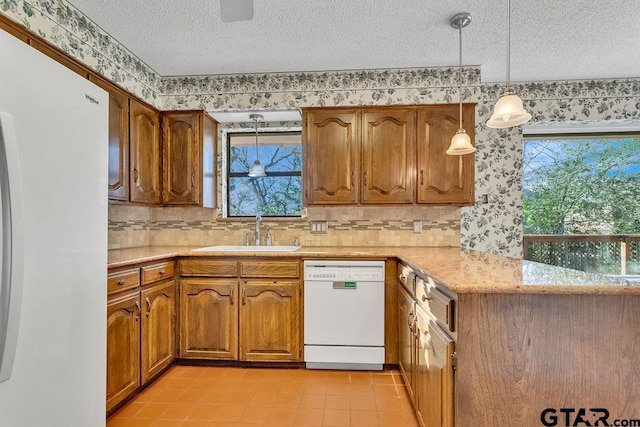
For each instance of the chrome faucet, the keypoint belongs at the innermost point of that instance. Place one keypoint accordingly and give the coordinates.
(258, 220)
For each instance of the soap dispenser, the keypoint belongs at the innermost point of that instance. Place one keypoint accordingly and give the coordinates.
(269, 239)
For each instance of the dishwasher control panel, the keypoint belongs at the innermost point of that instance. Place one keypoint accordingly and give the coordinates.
(354, 271)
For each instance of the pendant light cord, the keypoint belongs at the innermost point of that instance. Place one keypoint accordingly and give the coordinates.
(508, 45)
(460, 93)
(257, 157)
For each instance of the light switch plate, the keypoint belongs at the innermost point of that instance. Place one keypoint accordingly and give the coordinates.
(318, 227)
(417, 226)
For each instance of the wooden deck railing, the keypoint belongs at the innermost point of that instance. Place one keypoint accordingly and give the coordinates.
(608, 254)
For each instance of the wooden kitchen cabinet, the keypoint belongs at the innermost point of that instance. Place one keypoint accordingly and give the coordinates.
(444, 179)
(240, 309)
(270, 320)
(209, 318)
(118, 140)
(331, 156)
(433, 373)
(407, 339)
(188, 158)
(388, 156)
(141, 322)
(123, 347)
(158, 328)
(144, 149)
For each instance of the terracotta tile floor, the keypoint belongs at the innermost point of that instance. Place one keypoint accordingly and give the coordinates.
(206, 396)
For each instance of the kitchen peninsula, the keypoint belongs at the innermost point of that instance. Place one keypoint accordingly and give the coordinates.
(523, 337)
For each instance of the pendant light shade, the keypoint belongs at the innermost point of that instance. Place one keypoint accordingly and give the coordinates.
(509, 110)
(460, 143)
(257, 170)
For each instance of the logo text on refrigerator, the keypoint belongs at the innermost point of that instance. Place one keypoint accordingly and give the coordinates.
(92, 99)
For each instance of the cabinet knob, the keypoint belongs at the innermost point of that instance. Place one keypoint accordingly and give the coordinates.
(121, 282)
(231, 296)
(193, 179)
(161, 272)
(421, 176)
(365, 178)
(148, 306)
(353, 178)
(426, 298)
(135, 174)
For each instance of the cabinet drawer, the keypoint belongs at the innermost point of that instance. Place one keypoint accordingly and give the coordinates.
(270, 269)
(202, 267)
(157, 272)
(122, 280)
(407, 277)
(435, 301)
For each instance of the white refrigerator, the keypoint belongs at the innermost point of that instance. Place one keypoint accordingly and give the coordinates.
(53, 212)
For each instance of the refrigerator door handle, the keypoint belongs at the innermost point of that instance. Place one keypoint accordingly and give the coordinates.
(12, 256)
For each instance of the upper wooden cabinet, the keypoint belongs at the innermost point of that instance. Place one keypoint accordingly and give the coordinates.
(144, 141)
(386, 155)
(188, 158)
(331, 156)
(118, 140)
(444, 179)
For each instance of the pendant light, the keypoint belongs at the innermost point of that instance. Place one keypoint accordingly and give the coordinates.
(508, 111)
(257, 170)
(460, 143)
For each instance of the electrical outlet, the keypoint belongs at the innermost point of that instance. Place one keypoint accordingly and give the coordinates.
(417, 226)
(318, 227)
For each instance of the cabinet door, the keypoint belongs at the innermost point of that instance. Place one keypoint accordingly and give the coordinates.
(158, 328)
(331, 151)
(270, 320)
(434, 377)
(388, 156)
(123, 347)
(406, 339)
(181, 158)
(444, 179)
(209, 319)
(145, 153)
(118, 140)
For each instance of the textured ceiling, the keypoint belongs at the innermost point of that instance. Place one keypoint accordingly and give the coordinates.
(550, 39)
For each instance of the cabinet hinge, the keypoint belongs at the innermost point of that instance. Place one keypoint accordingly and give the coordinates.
(454, 360)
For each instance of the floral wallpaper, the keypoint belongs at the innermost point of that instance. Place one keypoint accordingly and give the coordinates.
(495, 226)
(61, 24)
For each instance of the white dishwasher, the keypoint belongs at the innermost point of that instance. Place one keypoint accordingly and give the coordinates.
(344, 314)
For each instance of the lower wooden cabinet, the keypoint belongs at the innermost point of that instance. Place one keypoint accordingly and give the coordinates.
(141, 327)
(240, 309)
(209, 319)
(123, 347)
(406, 339)
(270, 320)
(426, 349)
(433, 373)
(158, 328)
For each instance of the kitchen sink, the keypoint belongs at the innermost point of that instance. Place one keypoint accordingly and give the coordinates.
(242, 248)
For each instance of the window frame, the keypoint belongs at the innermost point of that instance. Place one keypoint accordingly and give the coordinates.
(228, 135)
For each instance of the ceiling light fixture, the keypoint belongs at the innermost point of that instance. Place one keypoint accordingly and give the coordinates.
(460, 143)
(257, 170)
(508, 111)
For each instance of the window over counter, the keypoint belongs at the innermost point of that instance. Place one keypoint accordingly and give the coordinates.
(580, 201)
(279, 193)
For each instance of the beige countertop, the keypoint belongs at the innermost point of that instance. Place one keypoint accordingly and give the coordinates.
(463, 271)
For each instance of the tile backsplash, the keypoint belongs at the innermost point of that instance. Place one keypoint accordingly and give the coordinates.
(131, 226)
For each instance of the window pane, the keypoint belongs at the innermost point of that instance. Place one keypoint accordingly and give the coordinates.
(269, 196)
(278, 194)
(580, 203)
